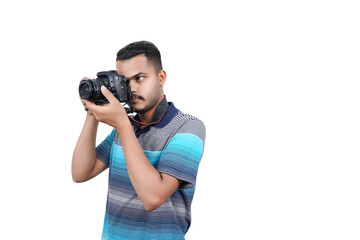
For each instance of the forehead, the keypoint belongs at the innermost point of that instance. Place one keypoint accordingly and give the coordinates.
(134, 65)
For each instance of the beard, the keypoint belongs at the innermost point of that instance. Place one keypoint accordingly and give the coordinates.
(151, 103)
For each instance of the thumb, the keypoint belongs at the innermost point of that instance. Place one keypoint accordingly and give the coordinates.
(107, 94)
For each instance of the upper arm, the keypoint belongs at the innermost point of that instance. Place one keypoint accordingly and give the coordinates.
(98, 168)
(181, 158)
(169, 185)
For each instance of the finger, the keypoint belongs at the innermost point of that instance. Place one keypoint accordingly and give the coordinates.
(91, 106)
(83, 101)
(109, 96)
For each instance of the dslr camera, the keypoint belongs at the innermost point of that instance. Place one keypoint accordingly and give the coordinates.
(117, 84)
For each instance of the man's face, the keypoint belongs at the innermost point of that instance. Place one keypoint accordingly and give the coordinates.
(146, 84)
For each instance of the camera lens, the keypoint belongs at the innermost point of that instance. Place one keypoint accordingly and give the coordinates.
(86, 90)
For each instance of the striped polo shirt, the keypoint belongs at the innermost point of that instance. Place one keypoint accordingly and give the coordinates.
(174, 145)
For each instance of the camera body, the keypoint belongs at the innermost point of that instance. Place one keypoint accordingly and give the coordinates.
(117, 84)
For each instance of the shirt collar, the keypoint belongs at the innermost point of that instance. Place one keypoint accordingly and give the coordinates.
(163, 114)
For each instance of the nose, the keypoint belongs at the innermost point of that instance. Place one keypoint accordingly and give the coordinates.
(133, 85)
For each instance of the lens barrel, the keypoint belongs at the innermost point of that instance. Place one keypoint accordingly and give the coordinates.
(86, 90)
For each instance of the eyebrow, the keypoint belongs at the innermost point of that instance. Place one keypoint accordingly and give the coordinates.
(138, 74)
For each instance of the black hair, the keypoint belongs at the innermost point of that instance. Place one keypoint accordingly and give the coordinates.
(151, 52)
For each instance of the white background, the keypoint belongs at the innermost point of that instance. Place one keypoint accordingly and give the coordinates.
(275, 82)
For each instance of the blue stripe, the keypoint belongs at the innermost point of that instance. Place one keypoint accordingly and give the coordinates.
(181, 158)
(187, 143)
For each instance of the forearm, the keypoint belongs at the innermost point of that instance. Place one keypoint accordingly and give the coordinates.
(84, 155)
(146, 180)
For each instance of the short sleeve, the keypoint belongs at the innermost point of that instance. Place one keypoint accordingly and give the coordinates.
(103, 150)
(182, 155)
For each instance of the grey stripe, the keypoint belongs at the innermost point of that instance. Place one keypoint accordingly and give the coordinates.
(120, 198)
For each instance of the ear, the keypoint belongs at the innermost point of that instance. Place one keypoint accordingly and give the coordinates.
(162, 77)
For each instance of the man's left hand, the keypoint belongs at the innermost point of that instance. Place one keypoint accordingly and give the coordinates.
(112, 113)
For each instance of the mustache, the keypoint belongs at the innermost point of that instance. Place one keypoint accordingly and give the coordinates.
(138, 97)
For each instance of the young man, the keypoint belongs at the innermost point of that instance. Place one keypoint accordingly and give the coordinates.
(152, 165)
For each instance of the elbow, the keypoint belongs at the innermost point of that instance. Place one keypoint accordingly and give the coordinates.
(152, 204)
(150, 207)
(75, 180)
(79, 176)
(78, 179)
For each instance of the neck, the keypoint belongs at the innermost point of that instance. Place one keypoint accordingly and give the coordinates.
(148, 116)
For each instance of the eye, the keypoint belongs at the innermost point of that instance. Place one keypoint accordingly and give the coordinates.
(139, 78)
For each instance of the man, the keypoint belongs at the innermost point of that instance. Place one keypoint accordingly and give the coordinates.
(152, 164)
